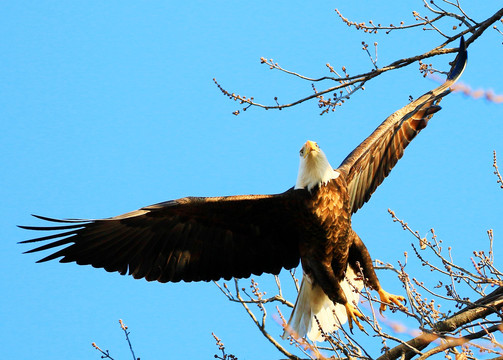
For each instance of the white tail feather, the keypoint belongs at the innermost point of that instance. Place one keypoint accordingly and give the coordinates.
(313, 302)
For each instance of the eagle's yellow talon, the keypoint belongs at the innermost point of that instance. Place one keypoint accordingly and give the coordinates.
(387, 298)
(353, 315)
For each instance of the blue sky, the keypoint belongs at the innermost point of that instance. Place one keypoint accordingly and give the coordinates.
(110, 106)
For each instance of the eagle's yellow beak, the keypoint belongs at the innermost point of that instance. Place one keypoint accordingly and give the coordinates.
(309, 146)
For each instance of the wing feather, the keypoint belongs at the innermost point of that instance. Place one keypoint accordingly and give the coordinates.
(368, 165)
(189, 239)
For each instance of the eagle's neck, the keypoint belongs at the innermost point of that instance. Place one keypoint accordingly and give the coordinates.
(314, 169)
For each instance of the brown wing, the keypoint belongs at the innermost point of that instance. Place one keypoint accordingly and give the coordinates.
(190, 239)
(367, 165)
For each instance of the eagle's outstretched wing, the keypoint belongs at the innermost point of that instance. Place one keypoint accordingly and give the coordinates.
(367, 165)
(190, 239)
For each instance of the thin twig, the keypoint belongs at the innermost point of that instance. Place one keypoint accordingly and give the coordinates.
(124, 328)
(106, 354)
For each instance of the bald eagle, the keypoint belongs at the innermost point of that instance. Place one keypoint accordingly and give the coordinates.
(209, 238)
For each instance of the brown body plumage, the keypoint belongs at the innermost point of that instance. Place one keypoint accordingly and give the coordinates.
(203, 239)
(324, 247)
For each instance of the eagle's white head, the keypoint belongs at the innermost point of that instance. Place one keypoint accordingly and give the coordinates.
(314, 168)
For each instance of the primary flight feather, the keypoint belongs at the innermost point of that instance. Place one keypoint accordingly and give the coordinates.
(209, 238)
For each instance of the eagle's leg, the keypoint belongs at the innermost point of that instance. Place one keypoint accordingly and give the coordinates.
(358, 253)
(327, 280)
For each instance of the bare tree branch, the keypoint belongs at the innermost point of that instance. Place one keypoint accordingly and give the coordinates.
(351, 84)
(485, 306)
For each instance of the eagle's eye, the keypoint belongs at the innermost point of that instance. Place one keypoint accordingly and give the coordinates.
(301, 152)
